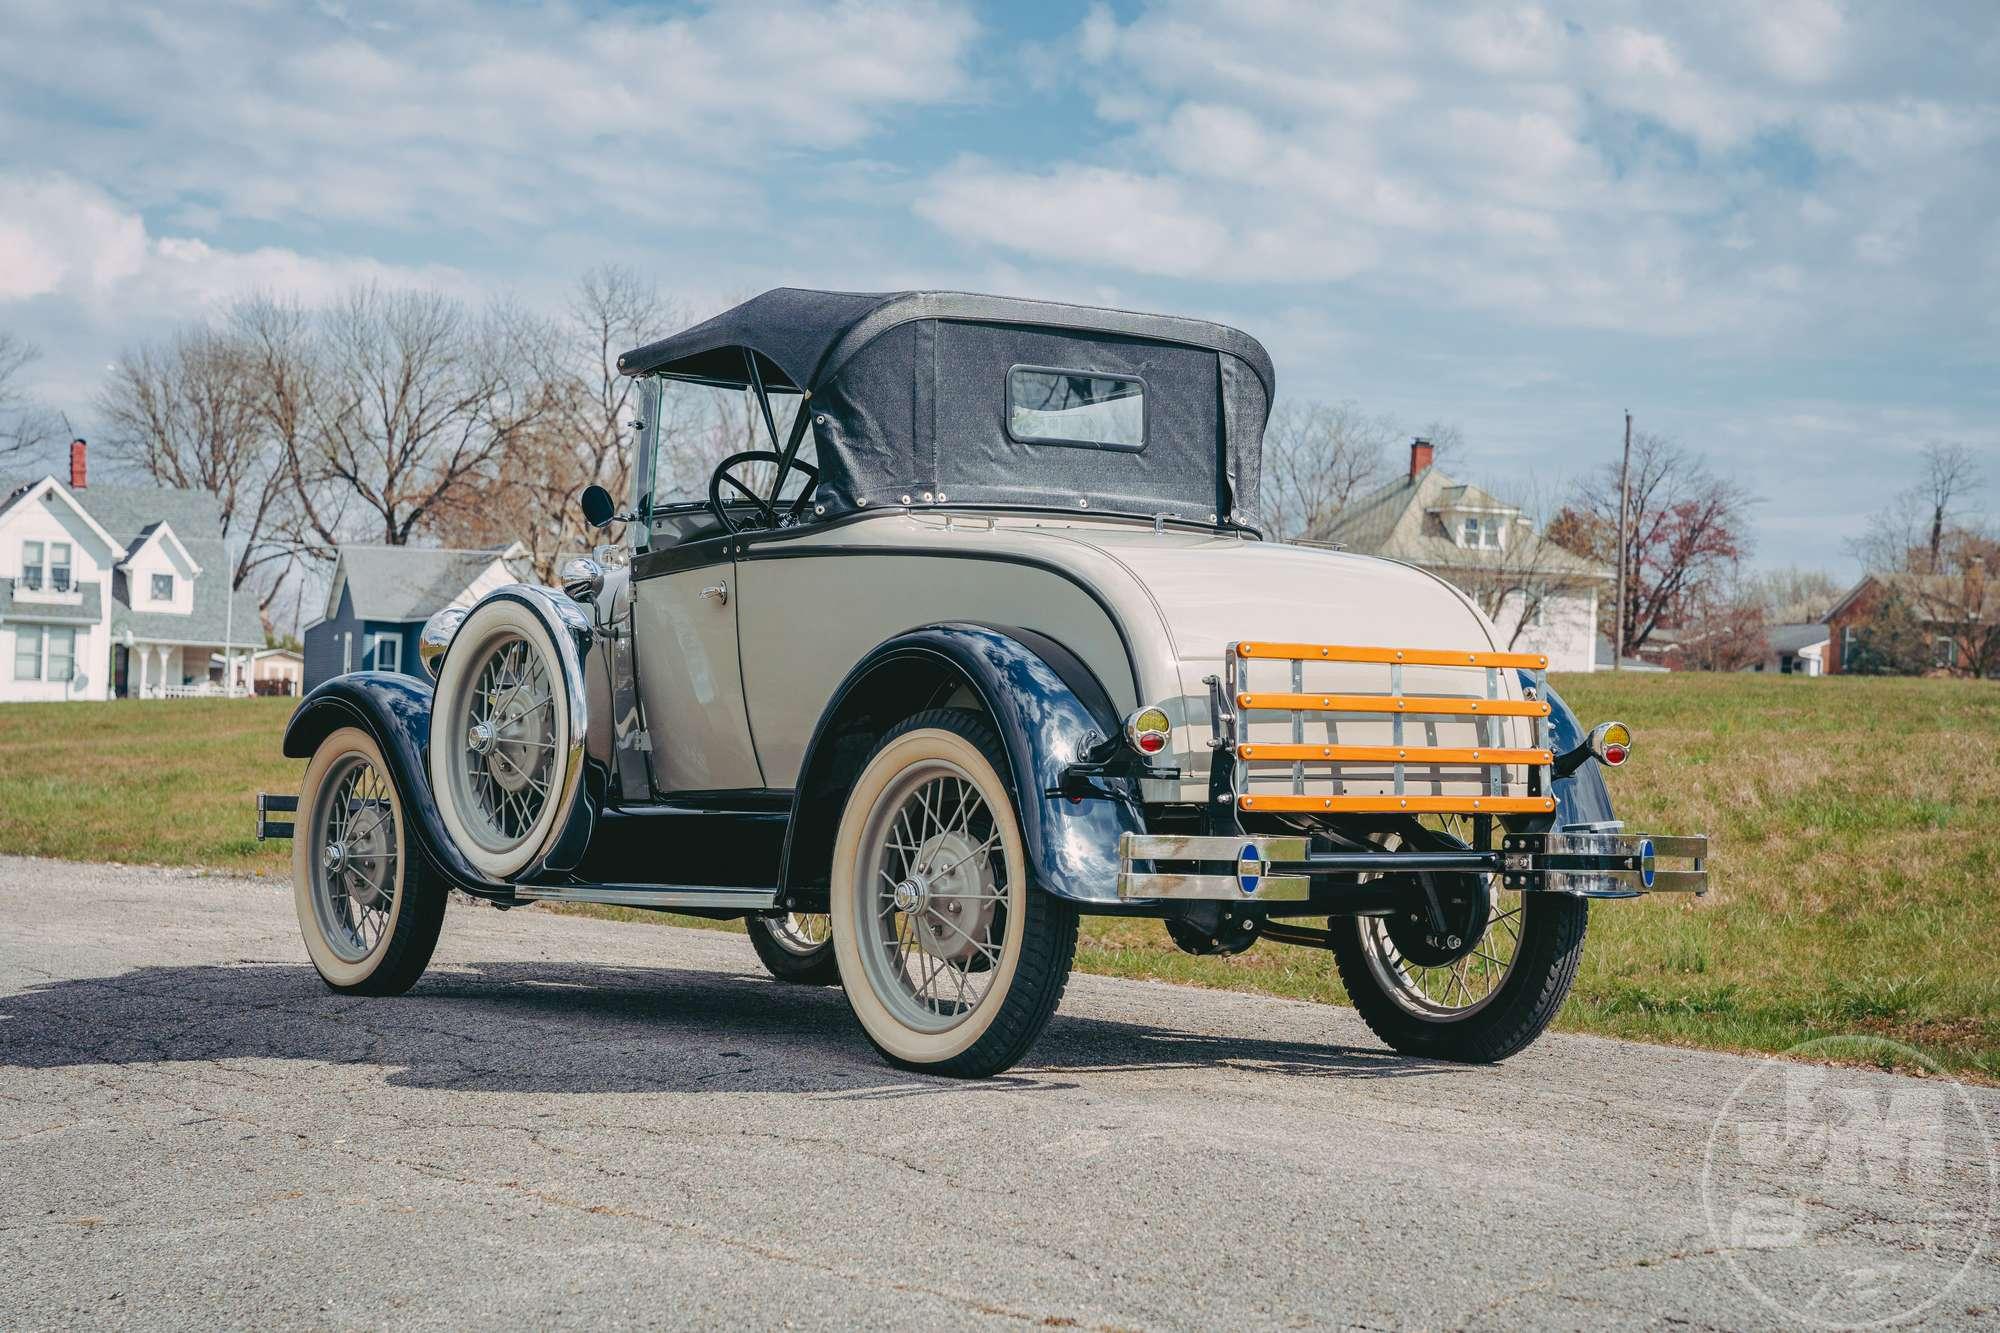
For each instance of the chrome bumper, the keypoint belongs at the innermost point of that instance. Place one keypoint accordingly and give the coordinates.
(1257, 868)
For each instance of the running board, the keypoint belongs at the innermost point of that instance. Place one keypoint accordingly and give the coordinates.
(634, 895)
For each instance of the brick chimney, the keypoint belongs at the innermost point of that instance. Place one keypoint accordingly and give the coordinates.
(1975, 586)
(78, 450)
(1421, 452)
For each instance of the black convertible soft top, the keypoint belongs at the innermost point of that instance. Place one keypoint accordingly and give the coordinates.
(909, 398)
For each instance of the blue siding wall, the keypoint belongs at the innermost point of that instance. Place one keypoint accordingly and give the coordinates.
(326, 644)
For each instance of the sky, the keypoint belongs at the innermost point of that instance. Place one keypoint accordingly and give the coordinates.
(1770, 230)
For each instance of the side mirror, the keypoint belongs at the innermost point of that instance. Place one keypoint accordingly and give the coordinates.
(598, 509)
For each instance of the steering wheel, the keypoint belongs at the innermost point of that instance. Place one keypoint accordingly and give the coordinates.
(725, 476)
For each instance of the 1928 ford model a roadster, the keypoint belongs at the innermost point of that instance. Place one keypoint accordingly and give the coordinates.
(986, 638)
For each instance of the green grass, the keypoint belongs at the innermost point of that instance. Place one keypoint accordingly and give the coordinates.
(1856, 855)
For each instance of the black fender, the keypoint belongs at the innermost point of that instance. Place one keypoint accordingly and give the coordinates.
(1582, 797)
(1049, 711)
(396, 710)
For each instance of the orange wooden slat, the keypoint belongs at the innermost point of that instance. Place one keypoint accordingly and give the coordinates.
(1395, 754)
(1400, 805)
(1394, 703)
(1334, 652)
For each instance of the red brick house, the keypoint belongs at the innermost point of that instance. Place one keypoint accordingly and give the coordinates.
(1959, 616)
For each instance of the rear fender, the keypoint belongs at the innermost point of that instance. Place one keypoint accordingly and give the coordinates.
(1581, 798)
(1048, 710)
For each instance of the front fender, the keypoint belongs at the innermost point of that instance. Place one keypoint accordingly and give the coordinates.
(396, 710)
(1046, 722)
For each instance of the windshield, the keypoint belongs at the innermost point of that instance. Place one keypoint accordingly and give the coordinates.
(689, 429)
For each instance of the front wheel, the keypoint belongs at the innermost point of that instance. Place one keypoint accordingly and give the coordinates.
(369, 906)
(1477, 997)
(952, 961)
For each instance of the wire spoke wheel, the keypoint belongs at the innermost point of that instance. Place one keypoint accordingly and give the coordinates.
(1468, 982)
(801, 932)
(508, 729)
(937, 899)
(353, 876)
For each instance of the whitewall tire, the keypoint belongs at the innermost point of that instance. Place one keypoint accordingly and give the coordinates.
(502, 743)
(952, 960)
(369, 906)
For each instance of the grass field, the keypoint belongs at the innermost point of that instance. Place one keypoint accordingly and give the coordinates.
(1855, 862)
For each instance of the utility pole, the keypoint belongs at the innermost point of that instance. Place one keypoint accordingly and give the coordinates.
(1624, 485)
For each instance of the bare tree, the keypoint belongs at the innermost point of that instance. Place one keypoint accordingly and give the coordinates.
(413, 400)
(1793, 595)
(1317, 458)
(1725, 629)
(1909, 535)
(25, 425)
(186, 413)
(1686, 534)
(582, 434)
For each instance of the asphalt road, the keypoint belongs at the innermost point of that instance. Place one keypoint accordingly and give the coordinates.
(576, 1122)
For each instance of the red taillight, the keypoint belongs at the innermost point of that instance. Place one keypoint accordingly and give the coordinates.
(1614, 755)
(1152, 742)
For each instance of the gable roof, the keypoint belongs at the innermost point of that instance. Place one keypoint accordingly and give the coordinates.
(160, 532)
(1793, 638)
(1396, 521)
(405, 583)
(129, 516)
(1938, 597)
(24, 492)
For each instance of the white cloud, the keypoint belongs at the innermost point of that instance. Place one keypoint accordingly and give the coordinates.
(1724, 171)
(64, 239)
(463, 117)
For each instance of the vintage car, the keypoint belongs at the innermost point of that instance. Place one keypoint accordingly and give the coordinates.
(987, 638)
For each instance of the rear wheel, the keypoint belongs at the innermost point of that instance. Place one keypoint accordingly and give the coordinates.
(369, 905)
(796, 947)
(952, 961)
(1478, 996)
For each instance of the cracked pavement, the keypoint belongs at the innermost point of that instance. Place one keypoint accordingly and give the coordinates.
(581, 1122)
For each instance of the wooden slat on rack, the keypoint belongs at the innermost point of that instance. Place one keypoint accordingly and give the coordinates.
(1395, 754)
(1334, 652)
(1400, 805)
(1394, 703)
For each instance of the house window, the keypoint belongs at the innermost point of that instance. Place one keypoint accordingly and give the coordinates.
(347, 651)
(163, 587)
(388, 652)
(1850, 648)
(31, 567)
(1784, 665)
(27, 652)
(1480, 532)
(62, 653)
(59, 558)
(1944, 653)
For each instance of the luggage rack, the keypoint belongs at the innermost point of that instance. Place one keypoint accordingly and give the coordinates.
(1230, 697)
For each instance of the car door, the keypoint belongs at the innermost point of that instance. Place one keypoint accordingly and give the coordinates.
(691, 682)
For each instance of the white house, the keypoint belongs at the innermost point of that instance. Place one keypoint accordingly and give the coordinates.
(116, 591)
(1541, 597)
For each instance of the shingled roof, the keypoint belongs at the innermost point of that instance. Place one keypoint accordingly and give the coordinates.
(405, 583)
(1401, 521)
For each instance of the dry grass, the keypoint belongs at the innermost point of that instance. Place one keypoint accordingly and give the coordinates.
(1856, 854)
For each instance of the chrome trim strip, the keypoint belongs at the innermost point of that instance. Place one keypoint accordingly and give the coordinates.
(1270, 888)
(625, 895)
(1182, 847)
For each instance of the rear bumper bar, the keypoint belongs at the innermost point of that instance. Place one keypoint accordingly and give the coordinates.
(1257, 868)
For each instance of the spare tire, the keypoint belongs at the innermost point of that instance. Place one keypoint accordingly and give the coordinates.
(507, 732)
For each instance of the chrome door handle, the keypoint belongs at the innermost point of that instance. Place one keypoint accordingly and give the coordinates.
(720, 592)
